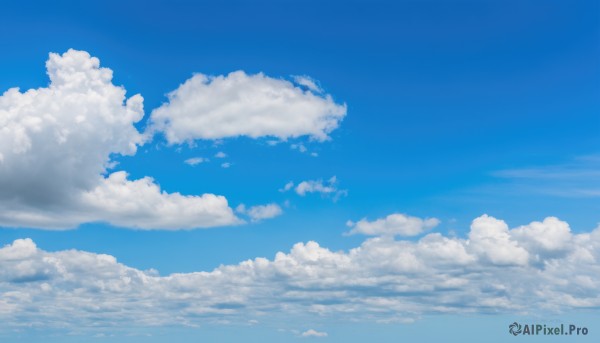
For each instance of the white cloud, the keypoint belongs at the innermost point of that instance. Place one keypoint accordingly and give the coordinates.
(259, 212)
(300, 147)
(313, 333)
(287, 187)
(316, 186)
(383, 279)
(308, 82)
(141, 204)
(578, 178)
(195, 161)
(226, 165)
(56, 144)
(238, 104)
(220, 154)
(392, 225)
(491, 239)
(552, 236)
(327, 188)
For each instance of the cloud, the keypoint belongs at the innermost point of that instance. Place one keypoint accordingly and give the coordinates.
(547, 238)
(392, 225)
(259, 212)
(490, 239)
(56, 145)
(195, 161)
(300, 147)
(220, 154)
(313, 333)
(287, 187)
(141, 204)
(308, 82)
(578, 178)
(226, 165)
(327, 188)
(492, 270)
(238, 104)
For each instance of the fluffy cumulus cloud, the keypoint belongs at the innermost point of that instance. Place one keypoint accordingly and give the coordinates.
(56, 144)
(238, 104)
(392, 225)
(492, 270)
(141, 204)
(491, 239)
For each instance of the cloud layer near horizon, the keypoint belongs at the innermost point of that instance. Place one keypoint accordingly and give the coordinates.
(541, 266)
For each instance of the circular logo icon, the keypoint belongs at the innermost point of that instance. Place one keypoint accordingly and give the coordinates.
(514, 328)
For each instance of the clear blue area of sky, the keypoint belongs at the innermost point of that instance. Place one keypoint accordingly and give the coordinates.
(441, 96)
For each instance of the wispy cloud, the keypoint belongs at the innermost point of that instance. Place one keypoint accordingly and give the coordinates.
(260, 212)
(577, 178)
(308, 82)
(195, 161)
(313, 333)
(328, 188)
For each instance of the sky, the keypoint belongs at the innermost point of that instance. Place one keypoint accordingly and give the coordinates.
(274, 171)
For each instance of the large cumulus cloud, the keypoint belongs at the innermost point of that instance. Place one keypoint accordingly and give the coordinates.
(56, 144)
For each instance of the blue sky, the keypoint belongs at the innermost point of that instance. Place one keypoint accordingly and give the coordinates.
(435, 109)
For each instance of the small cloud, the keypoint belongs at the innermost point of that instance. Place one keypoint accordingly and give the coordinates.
(308, 82)
(392, 225)
(300, 147)
(314, 333)
(287, 187)
(225, 165)
(260, 212)
(220, 154)
(327, 188)
(195, 161)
